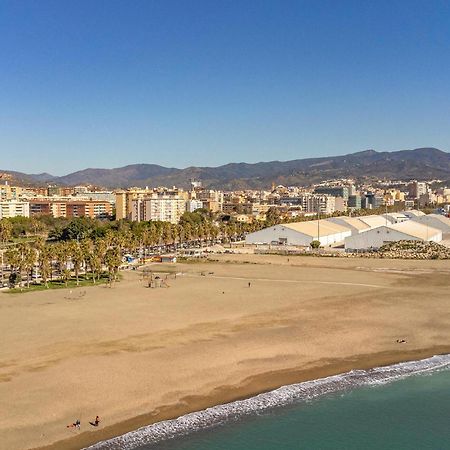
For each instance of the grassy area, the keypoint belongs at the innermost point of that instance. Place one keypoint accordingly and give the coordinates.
(84, 281)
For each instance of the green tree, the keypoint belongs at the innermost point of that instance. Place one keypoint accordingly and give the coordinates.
(273, 217)
(315, 244)
(77, 258)
(29, 260)
(113, 259)
(45, 258)
(6, 229)
(14, 260)
(79, 228)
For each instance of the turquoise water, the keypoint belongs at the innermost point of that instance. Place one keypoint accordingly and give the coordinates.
(402, 406)
(412, 413)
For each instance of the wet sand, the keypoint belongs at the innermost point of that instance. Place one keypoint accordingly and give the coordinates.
(135, 355)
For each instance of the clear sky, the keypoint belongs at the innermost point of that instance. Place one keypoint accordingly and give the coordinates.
(105, 83)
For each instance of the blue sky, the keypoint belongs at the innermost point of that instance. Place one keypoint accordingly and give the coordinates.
(105, 83)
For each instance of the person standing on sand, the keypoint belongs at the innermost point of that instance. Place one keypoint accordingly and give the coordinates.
(249, 284)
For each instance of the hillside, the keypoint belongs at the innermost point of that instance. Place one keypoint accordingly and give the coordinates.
(421, 163)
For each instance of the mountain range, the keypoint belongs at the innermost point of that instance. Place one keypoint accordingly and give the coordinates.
(420, 163)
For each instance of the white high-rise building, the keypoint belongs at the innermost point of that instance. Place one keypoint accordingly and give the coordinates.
(14, 208)
(318, 203)
(158, 207)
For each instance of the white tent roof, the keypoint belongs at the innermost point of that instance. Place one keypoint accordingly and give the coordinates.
(310, 227)
(354, 222)
(374, 221)
(413, 212)
(415, 229)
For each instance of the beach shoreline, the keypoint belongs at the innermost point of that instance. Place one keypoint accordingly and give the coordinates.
(254, 385)
(220, 331)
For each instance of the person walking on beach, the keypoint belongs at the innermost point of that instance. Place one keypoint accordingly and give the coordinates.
(249, 284)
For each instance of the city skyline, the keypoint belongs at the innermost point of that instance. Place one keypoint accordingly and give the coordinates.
(85, 85)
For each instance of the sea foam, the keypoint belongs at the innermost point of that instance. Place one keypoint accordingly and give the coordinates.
(285, 395)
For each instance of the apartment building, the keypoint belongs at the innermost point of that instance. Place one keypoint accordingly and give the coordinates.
(91, 208)
(212, 200)
(158, 207)
(334, 191)
(124, 201)
(193, 204)
(14, 208)
(47, 207)
(70, 208)
(416, 189)
(315, 203)
(8, 192)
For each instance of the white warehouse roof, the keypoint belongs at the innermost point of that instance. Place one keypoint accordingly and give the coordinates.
(415, 229)
(310, 227)
(376, 237)
(300, 233)
(374, 221)
(413, 213)
(434, 220)
(355, 224)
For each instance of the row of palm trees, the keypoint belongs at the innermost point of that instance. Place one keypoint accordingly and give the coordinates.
(94, 256)
(63, 259)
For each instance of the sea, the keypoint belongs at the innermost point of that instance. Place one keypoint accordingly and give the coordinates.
(402, 406)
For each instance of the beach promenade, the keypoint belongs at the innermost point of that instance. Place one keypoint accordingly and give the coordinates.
(220, 331)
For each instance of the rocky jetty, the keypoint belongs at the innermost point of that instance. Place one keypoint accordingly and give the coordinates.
(412, 250)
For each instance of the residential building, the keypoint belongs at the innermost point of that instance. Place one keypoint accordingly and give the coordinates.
(314, 203)
(334, 191)
(416, 189)
(124, 201)
(193, 205)
(354, 201)
(91, 208)
(8, 192)
(14, 208)
(158, 207)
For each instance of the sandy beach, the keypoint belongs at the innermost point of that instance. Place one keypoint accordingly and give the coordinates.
(135, 355)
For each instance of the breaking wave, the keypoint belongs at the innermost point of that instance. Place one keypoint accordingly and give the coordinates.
(283, 396)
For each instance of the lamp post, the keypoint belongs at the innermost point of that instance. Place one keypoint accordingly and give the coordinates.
(318, 222)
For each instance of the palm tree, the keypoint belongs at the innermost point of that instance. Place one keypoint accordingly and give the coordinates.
(14, 259)
(45, 258)
(95, 252)
(86, 249)
(5, 230)
(166, 234)
(29, 259)
(62, 250)
(77, 257)
(113, 259)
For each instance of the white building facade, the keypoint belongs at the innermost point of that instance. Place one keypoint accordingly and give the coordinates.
(163, 208)
(14, 208)
(377, 237)
(300, 234)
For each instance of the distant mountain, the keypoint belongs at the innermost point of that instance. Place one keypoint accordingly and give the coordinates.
(43, 177)
(421, 163)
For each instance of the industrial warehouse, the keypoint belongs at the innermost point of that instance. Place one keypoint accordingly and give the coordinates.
(356, 233)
